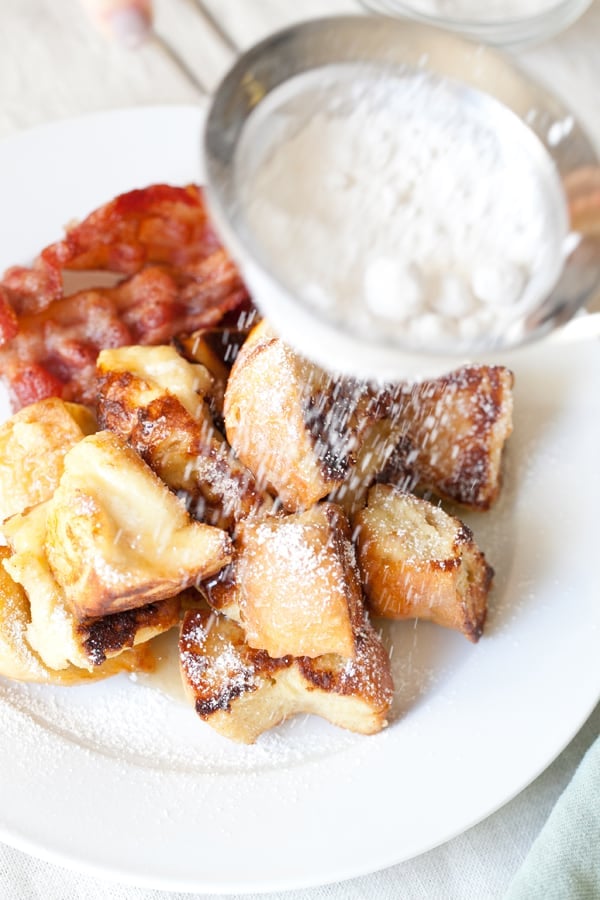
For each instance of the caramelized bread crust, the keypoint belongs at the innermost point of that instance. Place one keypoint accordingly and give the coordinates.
(217, 349)
(107, 636)
(453, 434)
(418, 562)
(241, 692)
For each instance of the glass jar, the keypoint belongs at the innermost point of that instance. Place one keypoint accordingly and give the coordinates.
(506, 23)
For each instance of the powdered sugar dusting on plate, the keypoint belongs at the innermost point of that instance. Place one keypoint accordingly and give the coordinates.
(145, 722)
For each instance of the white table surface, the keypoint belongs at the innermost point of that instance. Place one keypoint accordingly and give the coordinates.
(53, 65)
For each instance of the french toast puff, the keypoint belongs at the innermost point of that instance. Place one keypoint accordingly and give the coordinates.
(291, 635)
(308, 435)
(216, 348)
(242, 692)
(33, 443)
(266, 409)
(302, 432)
(294, 584)
(453, 433)
(418, 562)
(117, 538)
(68, 652)
(161, 405)
(40, 637)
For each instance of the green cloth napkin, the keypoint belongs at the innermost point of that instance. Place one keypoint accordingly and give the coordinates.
(564, 861)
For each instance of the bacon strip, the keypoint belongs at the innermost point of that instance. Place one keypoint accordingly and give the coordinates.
(25, 290)
(55, 350)
(180, 280)
(159, 223)
(9, 324)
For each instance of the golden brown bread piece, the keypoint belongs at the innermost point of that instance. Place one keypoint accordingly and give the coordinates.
(295, 583)
(273, 423)
(117, 538)
(171, 428)
(17, 659)
(303, 432)
(68, 654)
(242, 692)
(33, 443)
(377, 430)
(164, 370)
(418, 562)
(453, 434)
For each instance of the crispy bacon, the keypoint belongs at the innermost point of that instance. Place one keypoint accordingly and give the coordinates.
(9, 324)
(157, 224)
(28, 290)
(179, 280)
(32, 383)
(55, 350)
(160, 303)
(160, 224)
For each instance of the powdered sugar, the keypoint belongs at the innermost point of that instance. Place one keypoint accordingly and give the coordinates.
(136, 724)
(391, 204)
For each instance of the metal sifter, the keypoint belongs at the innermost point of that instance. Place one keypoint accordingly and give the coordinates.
(244, 122)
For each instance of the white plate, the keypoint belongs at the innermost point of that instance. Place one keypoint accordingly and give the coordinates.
(118, 779)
